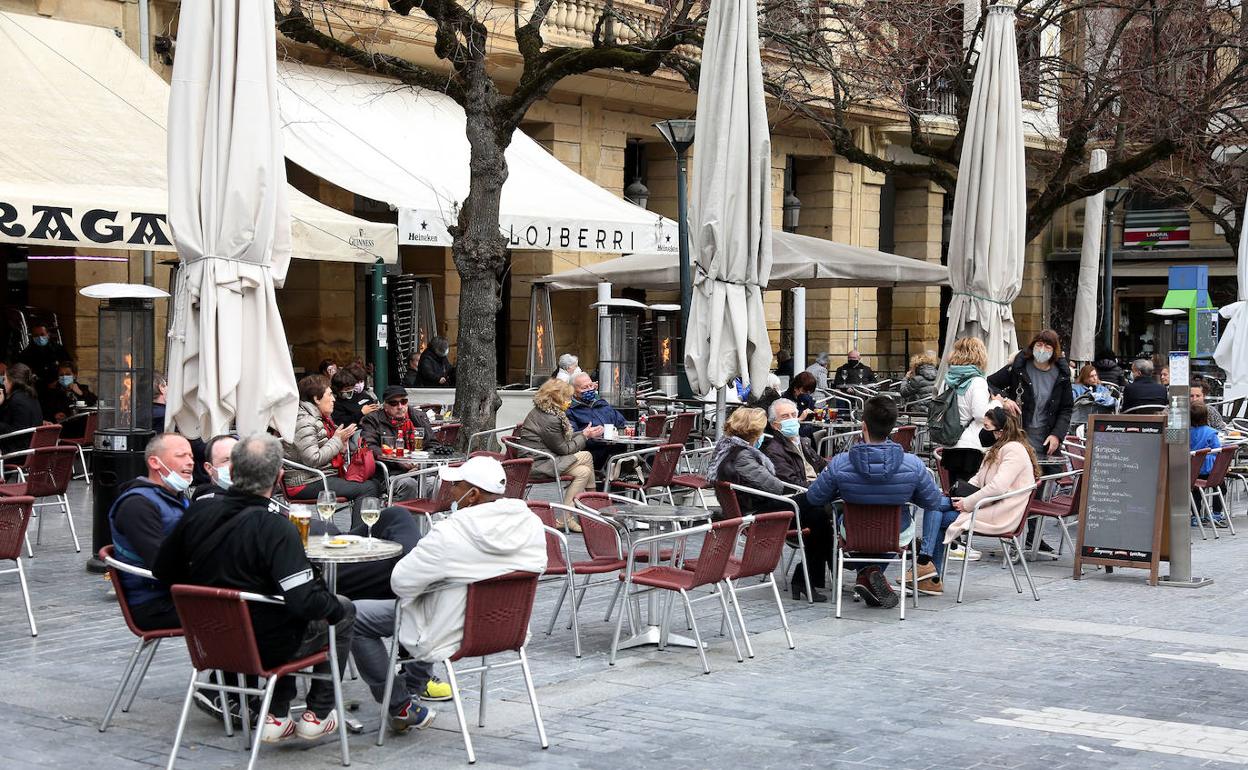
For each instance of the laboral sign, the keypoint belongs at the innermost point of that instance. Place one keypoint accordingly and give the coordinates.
(1164, 228)
(65, 224)
(421, 227)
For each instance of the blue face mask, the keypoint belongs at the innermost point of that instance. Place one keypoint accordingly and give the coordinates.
(758, 443)
(455, 503)
(223, 477)
(589, 396)
(66, 380)
(41, 340)
(790, 427)
(173, 480)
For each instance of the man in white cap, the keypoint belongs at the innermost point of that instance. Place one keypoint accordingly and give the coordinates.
(486, 535)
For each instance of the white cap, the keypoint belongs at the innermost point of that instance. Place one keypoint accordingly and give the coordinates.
(485, 473)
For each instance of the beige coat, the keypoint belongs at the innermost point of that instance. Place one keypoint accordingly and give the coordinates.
(1012, 470)
(545, 431)
(313, 446)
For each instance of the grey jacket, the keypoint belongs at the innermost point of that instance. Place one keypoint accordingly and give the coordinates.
(545, 431)
(313, 446)
(736, 461)
(921, 384)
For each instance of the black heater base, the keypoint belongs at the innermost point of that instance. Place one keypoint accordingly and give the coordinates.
(116, 460)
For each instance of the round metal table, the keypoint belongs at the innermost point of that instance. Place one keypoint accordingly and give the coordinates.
(421, 460)
(660, 516)
(640, 441)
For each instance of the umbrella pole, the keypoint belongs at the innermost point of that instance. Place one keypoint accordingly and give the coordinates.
(379, 340)
(721, 410)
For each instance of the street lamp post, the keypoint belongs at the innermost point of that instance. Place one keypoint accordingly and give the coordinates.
(679, 134)
(1113, 197)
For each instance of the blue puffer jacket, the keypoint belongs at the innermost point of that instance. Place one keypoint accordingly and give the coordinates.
(583, 415)
(875, 474)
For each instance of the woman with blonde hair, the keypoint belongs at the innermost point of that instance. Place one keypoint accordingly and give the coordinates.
(546, 427)
(967, 361)
(739, 459)
(920, 382)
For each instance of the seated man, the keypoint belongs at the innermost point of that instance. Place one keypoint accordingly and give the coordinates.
(234, 541)
(853, 372)
(876, 472)
(216, 467)
(60, 399)
(1143, 390)
(383, 427)
(588, 410)
(486, 536)
(143, 515)
(794, 456)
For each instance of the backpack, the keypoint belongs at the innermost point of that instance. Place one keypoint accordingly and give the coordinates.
(944, 423)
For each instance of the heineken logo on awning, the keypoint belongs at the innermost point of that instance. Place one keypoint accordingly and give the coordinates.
(39, 223)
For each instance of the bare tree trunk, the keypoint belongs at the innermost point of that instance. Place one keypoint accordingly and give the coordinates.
(480, 256)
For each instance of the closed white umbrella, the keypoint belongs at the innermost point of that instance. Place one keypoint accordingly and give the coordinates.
(228, 360)
(1232, 351)
(988, 235)
(730, 215)
(1083, 329)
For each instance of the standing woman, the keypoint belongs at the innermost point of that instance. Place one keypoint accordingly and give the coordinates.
(967, 362)
(1036, 387)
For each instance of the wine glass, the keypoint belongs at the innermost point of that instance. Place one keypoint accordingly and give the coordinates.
(326, 504)
(370, 512)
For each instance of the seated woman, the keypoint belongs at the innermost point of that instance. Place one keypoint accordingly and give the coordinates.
(739, 459)
(318, 442)
(1091, 397)
(546, 427)
(1202, 436)
(1009, 464)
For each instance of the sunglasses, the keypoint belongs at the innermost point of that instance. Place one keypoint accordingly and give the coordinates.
(397, 403)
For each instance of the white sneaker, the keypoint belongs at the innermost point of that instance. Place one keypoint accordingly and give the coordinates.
(956, 552)
(276, 729)
(310, 727)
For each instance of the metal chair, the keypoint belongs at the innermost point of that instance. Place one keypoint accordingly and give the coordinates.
(765, 534)
(1009, 541)
(85, 443)
(1060, 507)
(40, 436)
(15, 515)
(694, 479)
(904, 436)
(515, 448)
(657, 482)
(447, 433)
(219, 637)
(486, 438)
(874, 529)
(1197, 462)
(496, 620)
(149, 641)
(1146, 409)
(518, 472)
(712, 569)
(1211, 487)
(47, 473)
(796, 534)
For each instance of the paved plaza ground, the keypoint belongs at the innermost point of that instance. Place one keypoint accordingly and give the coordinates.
(1104, 672)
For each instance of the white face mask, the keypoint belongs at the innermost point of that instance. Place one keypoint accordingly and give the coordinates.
(173, 480)
(1041, 355)
(223, 477)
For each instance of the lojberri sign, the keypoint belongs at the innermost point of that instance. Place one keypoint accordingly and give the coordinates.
(418, 227)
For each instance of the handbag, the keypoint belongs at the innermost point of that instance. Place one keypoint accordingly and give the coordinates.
(963, 489)
(358, 462)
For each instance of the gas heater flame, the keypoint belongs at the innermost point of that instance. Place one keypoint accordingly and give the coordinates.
(127, 386)
(665, 351)
(540, 332)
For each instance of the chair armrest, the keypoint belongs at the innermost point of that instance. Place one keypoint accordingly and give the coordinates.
(407, 475)
(309, 469)
(1056, 476)
(22, 432)
(788, 501)
(494, 432)
(592, 516)
(554, 461)
(121, 566)
(1028, 490)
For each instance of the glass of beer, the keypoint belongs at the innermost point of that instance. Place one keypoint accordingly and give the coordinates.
(418, 439)
(370, 512)
(326, 504)
(301, 515)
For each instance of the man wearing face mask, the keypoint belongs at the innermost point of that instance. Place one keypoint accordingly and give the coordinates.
(60, 398)
(43, 355)
(145, 512)
(216, 467)
(794, 456)
(588, 410)
(485, 536)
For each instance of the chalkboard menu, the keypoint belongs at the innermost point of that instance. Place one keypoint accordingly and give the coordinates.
(1123, 493)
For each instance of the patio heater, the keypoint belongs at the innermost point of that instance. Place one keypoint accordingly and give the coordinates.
(541, 361)
(426, 321)
(127, 321)
(667, 347)
(617, 351)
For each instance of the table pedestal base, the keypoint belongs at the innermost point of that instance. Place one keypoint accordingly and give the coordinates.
(651, 634)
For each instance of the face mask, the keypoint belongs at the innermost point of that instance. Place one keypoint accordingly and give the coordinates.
(66, 380)
(1042, 355)
(455, 503)
(173, 480)
(41, 341)
(223, 477)
(790, 427)
(987, 438)
(589, 396)
(758, 443)
(359, 387)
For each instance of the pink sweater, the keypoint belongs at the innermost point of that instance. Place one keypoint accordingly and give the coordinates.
(1012, 470)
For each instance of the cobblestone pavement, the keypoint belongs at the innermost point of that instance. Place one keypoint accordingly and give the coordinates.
(1103, 671)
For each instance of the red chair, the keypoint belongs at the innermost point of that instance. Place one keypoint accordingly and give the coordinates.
(48, 471)
(149, 641)
(306, 493)
(447, 433)
(874, 529)
(605, 548)
(85, 443)
(594, 502)
(439, 503)
(548, 462)
(1009, 542)
(15, 515)
(795, 538)
(712, 569)
(40, 437)
(658, 481)
(942, 473)
(695, 479)
(1198, 462)
(904, 435)
(517, 471)
(653, 425)
(1060, 508)
(496, 620)
(682, 426)
(219, 637)
(1211, 487)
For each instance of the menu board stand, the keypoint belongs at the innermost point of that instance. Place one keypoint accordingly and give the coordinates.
(1123, 497)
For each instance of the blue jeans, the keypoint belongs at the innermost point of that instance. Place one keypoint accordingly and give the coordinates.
(935, 522)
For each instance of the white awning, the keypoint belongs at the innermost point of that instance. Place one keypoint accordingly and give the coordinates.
(82, 151)
(406, 146)
(797, 260)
